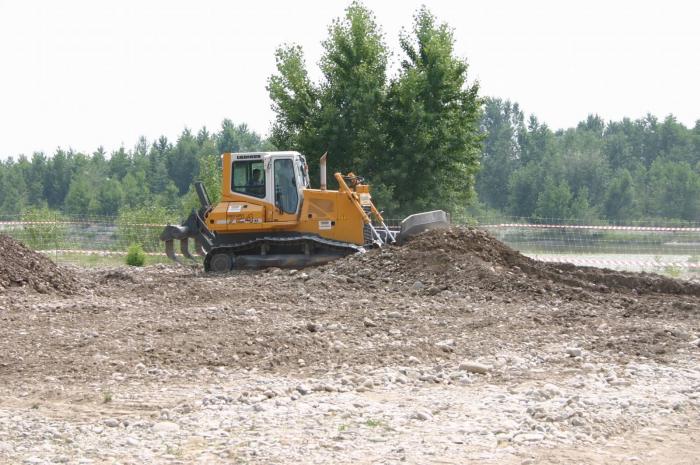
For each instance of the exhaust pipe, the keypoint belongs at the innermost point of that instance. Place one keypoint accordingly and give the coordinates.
(322, 164)
(202, 194)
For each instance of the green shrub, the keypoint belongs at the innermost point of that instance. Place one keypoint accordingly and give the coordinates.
(135, 255)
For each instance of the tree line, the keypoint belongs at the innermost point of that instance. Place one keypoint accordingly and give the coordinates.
(421, 135)
(159, 174)
(614, 171)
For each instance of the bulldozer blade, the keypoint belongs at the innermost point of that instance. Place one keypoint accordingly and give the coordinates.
(184, 248)
(419, 222)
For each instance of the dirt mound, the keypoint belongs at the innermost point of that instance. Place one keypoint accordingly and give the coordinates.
(20, 266)
(466, 259)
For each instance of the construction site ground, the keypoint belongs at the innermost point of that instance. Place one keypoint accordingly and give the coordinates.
(451, 349)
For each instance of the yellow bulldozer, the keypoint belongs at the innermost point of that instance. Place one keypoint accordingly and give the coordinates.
(269, 216)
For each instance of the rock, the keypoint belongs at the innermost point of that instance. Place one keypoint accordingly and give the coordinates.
(474, 367)
(303, 390)
(528, 437)
(111, 422)
(413, 360)
(418, 285)
(165, 427)
(448, 345)
(422, 415)
(369, 323)
(313, 327)
(573, 351)
(301, 362)
(397, 315)
(132, 441)
(434, 290)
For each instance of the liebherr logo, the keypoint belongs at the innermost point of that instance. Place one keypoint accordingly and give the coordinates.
(248, 157)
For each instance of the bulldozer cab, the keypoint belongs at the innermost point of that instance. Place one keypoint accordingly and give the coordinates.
(277, 178)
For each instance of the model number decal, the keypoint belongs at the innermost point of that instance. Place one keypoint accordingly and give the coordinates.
(325, 224)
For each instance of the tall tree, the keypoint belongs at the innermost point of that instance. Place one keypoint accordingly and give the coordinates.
(433, 122)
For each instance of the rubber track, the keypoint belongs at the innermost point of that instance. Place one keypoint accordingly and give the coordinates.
(344, 247)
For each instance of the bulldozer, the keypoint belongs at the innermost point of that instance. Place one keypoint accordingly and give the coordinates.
(268, 216)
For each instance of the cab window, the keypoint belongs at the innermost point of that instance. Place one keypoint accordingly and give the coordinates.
(286, 194)
(248, 177)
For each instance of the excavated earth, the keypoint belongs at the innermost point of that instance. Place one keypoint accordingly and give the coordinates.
(450, 349)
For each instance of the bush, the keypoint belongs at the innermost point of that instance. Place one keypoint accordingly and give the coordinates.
(135, 255)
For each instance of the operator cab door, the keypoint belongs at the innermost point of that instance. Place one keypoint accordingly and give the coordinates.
(287, 188)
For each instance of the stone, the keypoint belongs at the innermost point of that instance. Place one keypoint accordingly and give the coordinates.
(111, 422)
(313, 327)
(448, 345)
(413, 360)
(166, 427)
(422, 415)
(528, 437)
(474, 367)
(573, 351)
(369, 323)
(418, 285)
(303, 390)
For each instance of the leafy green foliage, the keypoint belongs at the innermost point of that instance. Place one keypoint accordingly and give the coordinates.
(135, 255)
(433, 116)
(615, 171)
(414, 136)
(161, 175)
(422, 137)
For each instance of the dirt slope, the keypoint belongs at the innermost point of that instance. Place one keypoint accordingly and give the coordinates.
(20, 266)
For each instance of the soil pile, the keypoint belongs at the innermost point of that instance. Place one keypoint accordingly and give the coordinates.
(20, 266)
(464, 258)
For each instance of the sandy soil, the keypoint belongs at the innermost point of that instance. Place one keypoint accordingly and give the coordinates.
(451, 349)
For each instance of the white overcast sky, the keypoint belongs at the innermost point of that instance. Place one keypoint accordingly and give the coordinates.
(87, 73)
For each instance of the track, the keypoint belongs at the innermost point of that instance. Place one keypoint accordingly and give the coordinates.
(285, 252)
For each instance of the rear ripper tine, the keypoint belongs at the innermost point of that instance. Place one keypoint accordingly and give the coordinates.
(184, 248)
(170, 251)
(198, 248)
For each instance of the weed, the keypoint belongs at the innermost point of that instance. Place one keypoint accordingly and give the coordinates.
(135, 256)
(673, 271)
(173, 450)
(106, 397)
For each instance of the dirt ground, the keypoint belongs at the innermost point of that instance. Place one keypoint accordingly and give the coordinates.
(451, 349)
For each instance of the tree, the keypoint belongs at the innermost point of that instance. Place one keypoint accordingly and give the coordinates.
(502, 124)
(433, 117)
(620, 197)
(554, 202)
(423, 121)
(674, 191)
(342, 115)
(109, 197)
(182, 162)
(81, 198)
